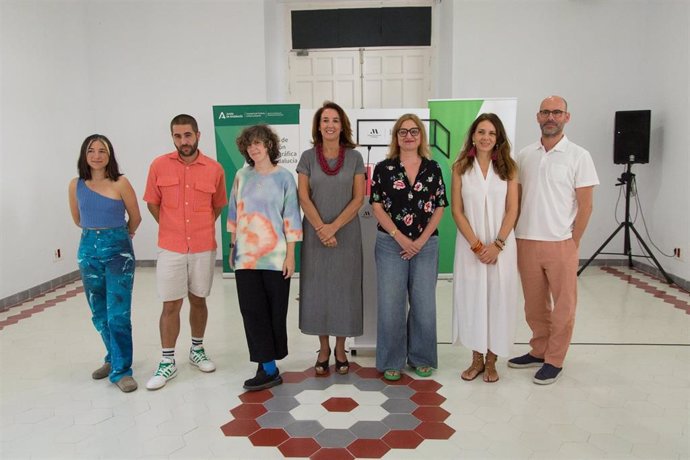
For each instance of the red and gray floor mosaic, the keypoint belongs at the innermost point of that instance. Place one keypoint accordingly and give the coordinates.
(358, 415)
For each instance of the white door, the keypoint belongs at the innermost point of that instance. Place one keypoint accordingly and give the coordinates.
(325, 75)
(365, 78)
(397, 78)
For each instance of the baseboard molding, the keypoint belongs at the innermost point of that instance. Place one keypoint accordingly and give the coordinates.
(28, 294)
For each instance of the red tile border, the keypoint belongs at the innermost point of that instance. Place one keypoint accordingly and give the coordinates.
(299, 447)
(248, 411)
(434, 430)
(28, 312)
(402, 439)
(632, 278)
(269, 437)
(240, 427)
(368, 448)
(428, 399)
(332, 454)
(256, 396)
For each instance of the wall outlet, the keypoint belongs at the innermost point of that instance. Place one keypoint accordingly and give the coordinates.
(679, 254)
(57, 255)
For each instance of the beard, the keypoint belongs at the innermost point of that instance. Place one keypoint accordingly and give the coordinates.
(551, 129)
(192, 149)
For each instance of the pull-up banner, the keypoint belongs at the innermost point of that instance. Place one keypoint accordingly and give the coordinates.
(229, 121)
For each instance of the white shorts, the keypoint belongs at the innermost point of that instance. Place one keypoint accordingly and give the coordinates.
(179, 274)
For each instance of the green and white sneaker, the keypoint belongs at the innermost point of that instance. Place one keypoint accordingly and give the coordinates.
(198, 358)
(166, 371)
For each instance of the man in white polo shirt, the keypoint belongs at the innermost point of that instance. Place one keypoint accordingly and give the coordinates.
(556, 182)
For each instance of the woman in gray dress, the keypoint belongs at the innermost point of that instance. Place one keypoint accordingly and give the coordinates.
(331, 190)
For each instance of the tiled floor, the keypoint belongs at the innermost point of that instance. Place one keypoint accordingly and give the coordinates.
(625, 392)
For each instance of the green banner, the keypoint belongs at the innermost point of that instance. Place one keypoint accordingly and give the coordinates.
(450, 120)
(229, 121)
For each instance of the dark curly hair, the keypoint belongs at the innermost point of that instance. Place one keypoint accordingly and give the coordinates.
(261, 133)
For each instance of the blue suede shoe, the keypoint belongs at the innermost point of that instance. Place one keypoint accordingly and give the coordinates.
(547, 375)
(524, 361)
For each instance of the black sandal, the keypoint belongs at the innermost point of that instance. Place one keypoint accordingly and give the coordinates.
(321, 367)
(341, 367)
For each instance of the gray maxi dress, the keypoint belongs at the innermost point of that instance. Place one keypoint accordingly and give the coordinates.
(330, 280)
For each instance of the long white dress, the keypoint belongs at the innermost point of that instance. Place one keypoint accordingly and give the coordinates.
(485, 297)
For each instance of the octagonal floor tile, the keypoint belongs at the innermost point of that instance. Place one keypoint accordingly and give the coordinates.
(240, 428)
(339, 404)
(256, 396)
(403, 439)
(434, 430)
(425, 385)
(428, 399)
(369, 430)
(269, 437)
(299, 447)
(335, 438)
(368, 448)
(332, 454)
(248, 411)
(431, 414)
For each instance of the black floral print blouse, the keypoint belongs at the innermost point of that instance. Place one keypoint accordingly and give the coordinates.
(409, 206)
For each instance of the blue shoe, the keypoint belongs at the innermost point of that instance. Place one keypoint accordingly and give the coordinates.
(547, 375)
(524, 361)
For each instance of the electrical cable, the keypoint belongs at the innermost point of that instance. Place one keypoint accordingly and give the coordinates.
(644, 223)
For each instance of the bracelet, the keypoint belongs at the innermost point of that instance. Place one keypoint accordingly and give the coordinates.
(498, 245)
(477, 247)
(393, 232)
(503, 242)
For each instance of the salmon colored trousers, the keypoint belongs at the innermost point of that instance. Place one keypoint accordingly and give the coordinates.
(548, 271)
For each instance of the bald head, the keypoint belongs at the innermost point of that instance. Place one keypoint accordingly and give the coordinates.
(555, 100)
(552, 117)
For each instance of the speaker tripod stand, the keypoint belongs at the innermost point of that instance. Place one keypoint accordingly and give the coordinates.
(627, 179)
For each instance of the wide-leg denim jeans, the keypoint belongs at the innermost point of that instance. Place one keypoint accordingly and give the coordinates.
(106, 262)
(406, 336)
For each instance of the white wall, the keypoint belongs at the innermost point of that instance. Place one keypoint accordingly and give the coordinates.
(603, 57)
(121, 68)
(46, 113)
(124, 68)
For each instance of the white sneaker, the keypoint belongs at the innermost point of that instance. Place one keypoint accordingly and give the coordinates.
(166, 371)
(197, 356)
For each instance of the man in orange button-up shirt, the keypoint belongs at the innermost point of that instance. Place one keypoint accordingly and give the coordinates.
(185, 193)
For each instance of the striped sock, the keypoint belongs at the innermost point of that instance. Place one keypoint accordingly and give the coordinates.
(169, 353)
(197, 342)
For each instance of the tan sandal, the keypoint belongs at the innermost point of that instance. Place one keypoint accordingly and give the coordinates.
(476, 368)
(490, 374)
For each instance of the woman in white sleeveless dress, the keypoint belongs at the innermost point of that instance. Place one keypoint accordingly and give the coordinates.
(485, 278)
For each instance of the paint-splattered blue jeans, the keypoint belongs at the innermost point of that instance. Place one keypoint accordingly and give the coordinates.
(106, 262)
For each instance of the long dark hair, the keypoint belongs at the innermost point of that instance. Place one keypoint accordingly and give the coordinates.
(346, 129)
(112, 170)
(503, 164)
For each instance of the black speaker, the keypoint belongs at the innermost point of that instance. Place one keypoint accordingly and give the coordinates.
(631, 137)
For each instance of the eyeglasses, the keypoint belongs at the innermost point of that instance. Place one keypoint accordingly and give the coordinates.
(555, 113)
(402, 132)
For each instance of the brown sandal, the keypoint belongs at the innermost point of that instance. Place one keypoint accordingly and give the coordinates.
(476, 368)
(490, 376)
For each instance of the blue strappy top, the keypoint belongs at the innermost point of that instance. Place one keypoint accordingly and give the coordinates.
(98, 211)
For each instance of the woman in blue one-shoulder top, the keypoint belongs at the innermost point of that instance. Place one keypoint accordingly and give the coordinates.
(99, 199)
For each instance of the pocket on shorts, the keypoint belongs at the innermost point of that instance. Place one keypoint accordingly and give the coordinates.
(170, 191)
(203, 196)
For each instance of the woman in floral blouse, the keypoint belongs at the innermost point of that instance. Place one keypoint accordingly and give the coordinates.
(408, 196)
